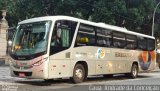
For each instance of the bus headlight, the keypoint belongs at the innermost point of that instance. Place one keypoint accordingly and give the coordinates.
(39, 62)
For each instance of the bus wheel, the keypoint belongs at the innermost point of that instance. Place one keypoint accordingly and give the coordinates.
(78, 73)
(134, 71)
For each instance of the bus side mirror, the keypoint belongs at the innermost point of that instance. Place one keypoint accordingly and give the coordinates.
(82, 40)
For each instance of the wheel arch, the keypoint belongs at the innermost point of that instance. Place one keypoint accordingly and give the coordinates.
(135, 62)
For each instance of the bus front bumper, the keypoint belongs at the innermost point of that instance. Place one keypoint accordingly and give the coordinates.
(35, 72)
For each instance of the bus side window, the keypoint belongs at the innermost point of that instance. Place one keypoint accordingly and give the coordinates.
(150, 44)
(142, 43)
(62, 35)
(119, 40)
(104, 37)
(131, 42)
(85, 36)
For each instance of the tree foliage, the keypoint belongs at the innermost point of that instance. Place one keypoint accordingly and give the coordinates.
(135, 15)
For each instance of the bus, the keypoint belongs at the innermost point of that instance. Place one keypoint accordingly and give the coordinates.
(54, 47)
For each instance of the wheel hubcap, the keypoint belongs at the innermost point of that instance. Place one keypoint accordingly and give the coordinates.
(134, 71)
(79, 73)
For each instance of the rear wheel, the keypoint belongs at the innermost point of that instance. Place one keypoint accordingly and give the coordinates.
(134, 71)
(78, 74)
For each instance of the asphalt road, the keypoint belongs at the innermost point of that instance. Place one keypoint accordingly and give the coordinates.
(146, 81)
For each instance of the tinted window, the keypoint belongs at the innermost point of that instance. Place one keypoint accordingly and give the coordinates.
(119, 40)
(104, 37)
(142, 43)
(150, 44)
(131, 42)
(62, 35)
(85, 36)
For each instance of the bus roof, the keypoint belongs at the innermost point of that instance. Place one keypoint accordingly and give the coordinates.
(102, 25)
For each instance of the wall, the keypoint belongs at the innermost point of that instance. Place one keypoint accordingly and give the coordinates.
(3, 40)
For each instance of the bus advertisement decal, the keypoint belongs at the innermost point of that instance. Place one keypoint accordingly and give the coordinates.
(100, 53)
(145, 58)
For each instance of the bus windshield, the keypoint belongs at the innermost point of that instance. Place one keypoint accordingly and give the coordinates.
(31, 40)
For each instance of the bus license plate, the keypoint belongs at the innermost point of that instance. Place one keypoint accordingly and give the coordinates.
(21, 75)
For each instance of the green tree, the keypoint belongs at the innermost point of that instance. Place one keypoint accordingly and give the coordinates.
(135, 15)
(141, 13)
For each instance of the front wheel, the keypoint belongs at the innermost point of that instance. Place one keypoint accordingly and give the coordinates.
(134, 71)
(78, 73)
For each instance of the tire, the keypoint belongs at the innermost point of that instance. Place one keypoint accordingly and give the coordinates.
(78, 74)
(134, 72)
